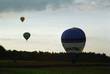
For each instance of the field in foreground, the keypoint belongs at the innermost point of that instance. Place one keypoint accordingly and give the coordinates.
(57, 70)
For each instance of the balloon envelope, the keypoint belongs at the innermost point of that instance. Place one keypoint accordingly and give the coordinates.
(73, 40)
(26, 35)
(22, 19)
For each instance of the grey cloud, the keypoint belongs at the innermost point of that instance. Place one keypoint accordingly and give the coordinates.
(22, 5)
(39, 5)
(97, 4)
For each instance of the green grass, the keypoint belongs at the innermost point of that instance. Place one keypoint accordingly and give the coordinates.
(48, 70)
(22, 63)
(57, 70)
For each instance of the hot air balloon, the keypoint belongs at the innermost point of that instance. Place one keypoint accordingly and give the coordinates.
(26, 35)
(22, 19)
(73, 40)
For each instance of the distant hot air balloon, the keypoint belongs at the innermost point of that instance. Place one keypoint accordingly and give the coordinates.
(22, 19)
(73, 40)
(26, 35)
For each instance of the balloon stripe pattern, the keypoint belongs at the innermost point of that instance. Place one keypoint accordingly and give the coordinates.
(73, 40)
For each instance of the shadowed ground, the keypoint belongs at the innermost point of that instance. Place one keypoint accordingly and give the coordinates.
(57, 70)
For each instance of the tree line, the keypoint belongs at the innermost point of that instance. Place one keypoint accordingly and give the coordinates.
(46, 56)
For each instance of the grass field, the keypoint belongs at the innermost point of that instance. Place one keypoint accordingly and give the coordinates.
(57, 70)
(32, 67)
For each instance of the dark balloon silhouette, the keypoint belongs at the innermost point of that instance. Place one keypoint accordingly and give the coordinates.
(26, 35)
(73, 40)
(22, 19)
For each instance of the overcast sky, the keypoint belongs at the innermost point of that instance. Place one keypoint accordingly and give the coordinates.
(41, 5)
(47, 19)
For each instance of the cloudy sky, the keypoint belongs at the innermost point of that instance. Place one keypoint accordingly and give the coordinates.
(47, 19)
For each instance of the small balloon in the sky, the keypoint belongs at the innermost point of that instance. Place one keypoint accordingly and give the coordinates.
(22, 19)
(73, 40)
(26, 35)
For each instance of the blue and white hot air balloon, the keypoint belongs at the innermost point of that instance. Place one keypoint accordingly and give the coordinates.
(73, 40)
